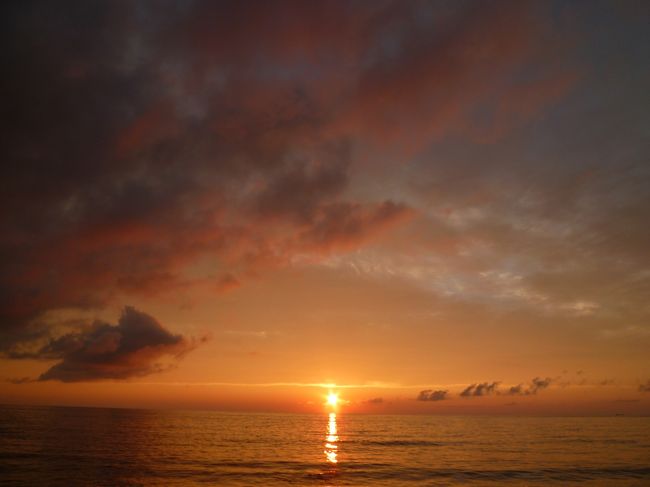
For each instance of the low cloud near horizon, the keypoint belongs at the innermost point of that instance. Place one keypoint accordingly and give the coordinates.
(431, 395)
(138, 345)
(480, 389)
(536, 384)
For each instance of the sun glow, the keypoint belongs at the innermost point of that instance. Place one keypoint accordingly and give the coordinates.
(332, 399)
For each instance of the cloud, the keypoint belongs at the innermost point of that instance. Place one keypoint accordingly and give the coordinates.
(20, 380)
(488, 388)
(480, 389)
(645, 387)
(437, 82)
(346, 226)
(137, 346)
(516, 390)
(431, 395)
(198, 152)
(298, 191)
(215, 132)
(375, 400)
(536, 384)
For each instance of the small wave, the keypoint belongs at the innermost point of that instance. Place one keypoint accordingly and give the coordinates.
(368, 473)
(402, 443)
(607, 441)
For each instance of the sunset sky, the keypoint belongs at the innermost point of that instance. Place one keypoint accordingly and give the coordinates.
(439, 207)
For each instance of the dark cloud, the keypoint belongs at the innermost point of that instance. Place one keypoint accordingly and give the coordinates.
(488, 388)
(345, 226)
(480, 389)
(516, 390)
(21, 342)
(298, 191)
(136, 145)
(418, 94)
(431, 395)
(137, 346)
(645, 387)
(536, 384)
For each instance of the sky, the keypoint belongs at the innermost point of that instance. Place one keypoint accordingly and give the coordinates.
(425, 206)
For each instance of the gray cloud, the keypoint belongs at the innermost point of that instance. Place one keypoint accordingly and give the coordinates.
(480, 389)
(488, 388)
(195, 150)
(431, 395)
(536, 384)
(137, 346)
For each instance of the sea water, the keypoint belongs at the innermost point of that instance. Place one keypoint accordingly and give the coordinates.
(90, 446)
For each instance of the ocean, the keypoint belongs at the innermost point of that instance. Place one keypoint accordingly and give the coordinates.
(113, 447)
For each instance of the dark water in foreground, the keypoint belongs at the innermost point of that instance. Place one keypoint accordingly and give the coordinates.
(83, 446)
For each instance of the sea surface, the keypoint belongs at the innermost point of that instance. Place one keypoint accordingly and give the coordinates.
(88, 446)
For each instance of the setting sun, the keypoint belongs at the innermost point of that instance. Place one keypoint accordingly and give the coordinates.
(332, 399)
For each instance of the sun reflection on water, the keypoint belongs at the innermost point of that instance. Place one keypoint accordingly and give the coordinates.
(331, 447)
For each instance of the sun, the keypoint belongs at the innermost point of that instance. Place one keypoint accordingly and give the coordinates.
(332, 399)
